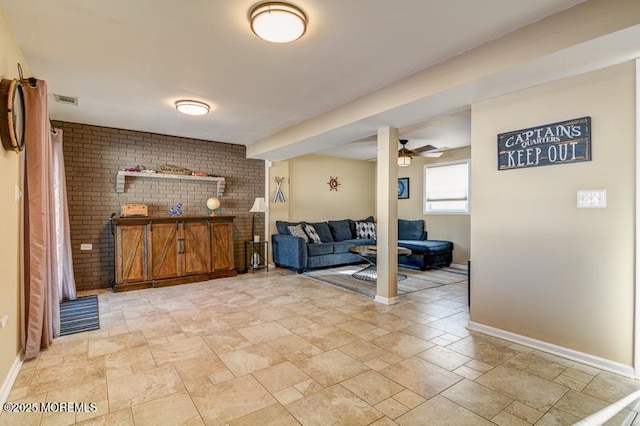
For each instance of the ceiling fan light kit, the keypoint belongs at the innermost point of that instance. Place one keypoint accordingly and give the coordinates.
(404, 158)
(278, 22)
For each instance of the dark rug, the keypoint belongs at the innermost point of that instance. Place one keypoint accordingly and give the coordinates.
(416, 280)
(79, 315)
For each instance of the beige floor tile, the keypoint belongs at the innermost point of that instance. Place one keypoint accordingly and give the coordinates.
(309, 387)
(274, 414)
(467, 373)
(272, 314)
(477, 398)
(479, 366)
(580, 405)
(176, 409)
(570, 382)
(128, 357)
(263, 332)
(421, 377)
(443, 357)
(329, 338)
(402, 344)
(280, 376)
(288, 395)
(226, 341)
(385, 421)
(439, 410)
(295, 322)
(536, 365)
(372, 387)
(334, 405)
(362, 351)
(556, 417)
(250, 359)
(356, 326)
(409, 399)
(195, 372)
(231, 400)
(117, 418)
(193, 347)
(288, 344)
(483, 350)
(610, 387)
(331, 367)
(67, 374)
(24, 411)
(91, 392)
(219, 377)
(391, 408)
(506, 419)
(524, 412)
(527, 388)
(117, 343)
(126, 391)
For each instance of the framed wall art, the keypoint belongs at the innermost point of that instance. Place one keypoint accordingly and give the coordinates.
(403, 188)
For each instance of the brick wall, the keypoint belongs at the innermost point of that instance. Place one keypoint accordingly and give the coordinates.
(93, 155)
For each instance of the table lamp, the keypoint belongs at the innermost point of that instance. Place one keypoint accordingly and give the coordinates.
(258, 207)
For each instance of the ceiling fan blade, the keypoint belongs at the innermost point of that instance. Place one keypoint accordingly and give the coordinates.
(424, 149)
(431, 154)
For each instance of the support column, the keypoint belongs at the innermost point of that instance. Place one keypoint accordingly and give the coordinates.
(387, 216)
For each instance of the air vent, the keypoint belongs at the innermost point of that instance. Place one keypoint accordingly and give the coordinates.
(69, 100)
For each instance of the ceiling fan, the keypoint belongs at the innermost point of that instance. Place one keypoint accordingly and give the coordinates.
(419, 152)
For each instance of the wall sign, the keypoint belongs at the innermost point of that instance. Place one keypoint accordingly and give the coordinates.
(557, 143)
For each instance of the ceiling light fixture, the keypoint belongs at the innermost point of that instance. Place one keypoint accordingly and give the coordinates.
(404, 157)
(278, 22)
(192, 107)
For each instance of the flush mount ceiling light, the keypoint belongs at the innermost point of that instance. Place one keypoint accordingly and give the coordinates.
(278, 22)
(192, 107)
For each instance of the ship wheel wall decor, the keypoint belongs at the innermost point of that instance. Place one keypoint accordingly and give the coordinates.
(333, 183)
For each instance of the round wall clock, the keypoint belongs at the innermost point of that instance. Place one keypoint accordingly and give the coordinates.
(12, 115)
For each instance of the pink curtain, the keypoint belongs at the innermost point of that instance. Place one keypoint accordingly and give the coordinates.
(42, 289)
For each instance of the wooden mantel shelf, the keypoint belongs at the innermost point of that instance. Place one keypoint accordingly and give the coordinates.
(122, 175)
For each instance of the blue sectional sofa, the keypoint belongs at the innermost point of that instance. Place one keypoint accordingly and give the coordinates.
(337, 236)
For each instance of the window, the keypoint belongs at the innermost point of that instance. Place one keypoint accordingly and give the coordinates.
(446, 187)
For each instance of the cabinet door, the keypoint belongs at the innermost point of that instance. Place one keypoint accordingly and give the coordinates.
(222, 246)
(164, 250)
(131, 254)
(197, 248)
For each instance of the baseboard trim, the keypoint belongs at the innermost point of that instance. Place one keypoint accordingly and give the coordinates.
(573, 355)
(10, 379)
(387, 300)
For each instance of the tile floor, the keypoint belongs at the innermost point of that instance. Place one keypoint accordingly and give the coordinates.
(279, 348)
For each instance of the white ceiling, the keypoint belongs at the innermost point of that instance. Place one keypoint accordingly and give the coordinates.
(129, 61)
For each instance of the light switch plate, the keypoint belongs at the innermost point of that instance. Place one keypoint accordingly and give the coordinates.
(86, 247)
(592, 199)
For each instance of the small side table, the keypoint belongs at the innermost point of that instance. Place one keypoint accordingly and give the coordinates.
(255, 255)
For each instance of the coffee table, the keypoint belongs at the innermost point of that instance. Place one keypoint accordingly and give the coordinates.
(370, 254)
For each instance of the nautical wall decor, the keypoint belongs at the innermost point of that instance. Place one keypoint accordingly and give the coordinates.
(333, 183)
(557, 143)
(279, 195)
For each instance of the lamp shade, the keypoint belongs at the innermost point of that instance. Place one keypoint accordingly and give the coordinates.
(278, 22)
(404, 160)
(258, 206)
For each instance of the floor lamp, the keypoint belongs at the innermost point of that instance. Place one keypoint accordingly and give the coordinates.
(258, 207)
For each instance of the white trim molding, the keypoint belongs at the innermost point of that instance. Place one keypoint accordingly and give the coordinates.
(636, 325)
(573, 355)
(387, 300)
(10, 379)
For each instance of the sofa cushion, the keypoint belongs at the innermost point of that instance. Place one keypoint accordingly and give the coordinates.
(352, 223)
(311, 232)
(410, 229)
(322, 228)
(283, 227)
(426, 246)
(297, 231)
(366, 230)
(341, 230)
(320, 249)
(342, 246)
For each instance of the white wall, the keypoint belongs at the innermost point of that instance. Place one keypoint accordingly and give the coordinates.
(10, 222)
(541, 267)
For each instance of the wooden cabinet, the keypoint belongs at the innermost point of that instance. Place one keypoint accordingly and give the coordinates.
(156, 252)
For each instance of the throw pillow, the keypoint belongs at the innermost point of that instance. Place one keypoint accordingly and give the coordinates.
(311, 232)
(297, 231)
(366, 230)
(340, 229)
